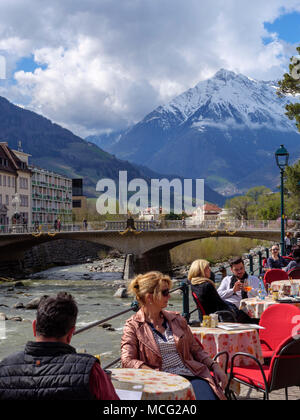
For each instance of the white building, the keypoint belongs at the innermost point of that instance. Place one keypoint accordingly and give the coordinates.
(51, 197)
(15, 188)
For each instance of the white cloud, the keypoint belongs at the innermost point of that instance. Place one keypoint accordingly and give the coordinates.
(107, 63)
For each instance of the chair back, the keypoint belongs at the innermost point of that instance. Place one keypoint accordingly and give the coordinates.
(287, 257)
(294, 273)
(275, 274)
(279, 323)
(285, 364)
(201, 310)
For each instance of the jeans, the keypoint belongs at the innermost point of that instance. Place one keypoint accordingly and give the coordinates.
(202, 389)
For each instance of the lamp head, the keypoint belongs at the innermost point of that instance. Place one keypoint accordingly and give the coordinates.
(282, 157)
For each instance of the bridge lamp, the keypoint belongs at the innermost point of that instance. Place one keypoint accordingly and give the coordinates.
(282, 160)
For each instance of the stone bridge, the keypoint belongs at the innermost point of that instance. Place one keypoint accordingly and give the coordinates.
(148, 249)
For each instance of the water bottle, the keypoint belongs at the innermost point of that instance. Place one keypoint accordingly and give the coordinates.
(261, 290)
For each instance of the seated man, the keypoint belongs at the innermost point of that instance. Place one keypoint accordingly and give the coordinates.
(232, 288)
(49, 368)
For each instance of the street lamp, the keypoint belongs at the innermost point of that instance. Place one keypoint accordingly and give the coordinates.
(282, 160)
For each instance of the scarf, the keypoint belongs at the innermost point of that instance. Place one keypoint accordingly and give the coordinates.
(200, 280)
(234, 279)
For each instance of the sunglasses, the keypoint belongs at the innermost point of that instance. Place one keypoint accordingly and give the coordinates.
(275, 249)
(165, 292)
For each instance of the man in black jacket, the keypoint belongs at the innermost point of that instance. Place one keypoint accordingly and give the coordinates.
(50, 368)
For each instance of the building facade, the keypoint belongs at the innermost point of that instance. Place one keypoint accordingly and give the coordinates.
(15, 188)
(51, 197)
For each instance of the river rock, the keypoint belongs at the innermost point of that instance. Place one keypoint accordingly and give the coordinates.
(3, 317)
(121, 293)
(15, 318)
(19, 284)
(19, 305)
(34, 303)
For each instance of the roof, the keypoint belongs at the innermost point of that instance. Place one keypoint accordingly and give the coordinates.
(14, 162)
(211, 208)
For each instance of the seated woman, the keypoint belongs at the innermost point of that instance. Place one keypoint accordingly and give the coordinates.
(157, 339)
(276, 260)
(209, 298)
(296, 262)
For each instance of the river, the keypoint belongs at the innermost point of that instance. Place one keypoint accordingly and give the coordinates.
(93, 293)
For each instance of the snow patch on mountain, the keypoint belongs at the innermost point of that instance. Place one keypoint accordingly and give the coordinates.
(230, 100)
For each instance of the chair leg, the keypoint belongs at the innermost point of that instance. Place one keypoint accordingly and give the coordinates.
(286, 394)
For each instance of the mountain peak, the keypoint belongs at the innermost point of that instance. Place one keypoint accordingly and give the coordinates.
(224, 74)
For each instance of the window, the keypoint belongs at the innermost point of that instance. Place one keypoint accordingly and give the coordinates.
(4, 180)
(24, 183)
(77, 204)
(24, 200)
(7, 200)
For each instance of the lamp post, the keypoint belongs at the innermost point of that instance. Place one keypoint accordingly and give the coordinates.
(282, 159)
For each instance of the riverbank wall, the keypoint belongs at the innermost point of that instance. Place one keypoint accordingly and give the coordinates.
(50, 254)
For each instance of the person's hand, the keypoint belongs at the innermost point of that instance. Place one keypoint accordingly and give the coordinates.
(220, 375)
(237, 286)
(145, 367)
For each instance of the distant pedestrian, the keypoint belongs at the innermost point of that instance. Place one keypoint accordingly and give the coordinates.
(55, 224)
(183, 222)
(58, 224)
(85, 224)
(288, 243)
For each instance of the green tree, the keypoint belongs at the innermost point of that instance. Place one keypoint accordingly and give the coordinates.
(239, 207)
(290, 85)
(246, 207)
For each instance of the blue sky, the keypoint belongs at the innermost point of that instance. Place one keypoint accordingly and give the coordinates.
(91, 66)
(287, 27)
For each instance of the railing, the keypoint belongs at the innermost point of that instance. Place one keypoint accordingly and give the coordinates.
(185, 288)
(214, 226)
(134, 307)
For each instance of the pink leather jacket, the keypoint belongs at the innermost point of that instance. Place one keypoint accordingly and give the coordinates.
(138, 346)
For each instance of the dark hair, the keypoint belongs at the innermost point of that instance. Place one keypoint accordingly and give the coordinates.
(296, 255)
(56, 315)
(235, 260)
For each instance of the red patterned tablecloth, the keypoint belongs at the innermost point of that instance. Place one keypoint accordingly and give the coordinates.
(215, 340)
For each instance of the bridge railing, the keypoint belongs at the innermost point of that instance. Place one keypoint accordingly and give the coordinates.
(215, 226)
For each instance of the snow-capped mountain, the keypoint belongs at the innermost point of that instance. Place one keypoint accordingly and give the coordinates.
(225, 129)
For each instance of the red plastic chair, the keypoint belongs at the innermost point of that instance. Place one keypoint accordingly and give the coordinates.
(294, 273)
(283, 371)
(286, 257)
(279, 321)
(275, 274)
(199, 305)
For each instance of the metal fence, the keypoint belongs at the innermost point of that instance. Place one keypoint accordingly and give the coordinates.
(230, 226)
(255, 267)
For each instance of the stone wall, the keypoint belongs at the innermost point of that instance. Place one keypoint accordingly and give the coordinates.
(59, 252)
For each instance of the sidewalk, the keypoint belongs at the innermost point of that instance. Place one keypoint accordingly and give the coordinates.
(251, 394)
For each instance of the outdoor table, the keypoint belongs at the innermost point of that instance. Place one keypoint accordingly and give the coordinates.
(254, 307)
(280, 283)
(153, 384)
(215, 340)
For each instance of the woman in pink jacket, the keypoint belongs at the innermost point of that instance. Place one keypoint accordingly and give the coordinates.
(157, 339)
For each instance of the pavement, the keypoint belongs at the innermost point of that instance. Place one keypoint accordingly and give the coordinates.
(250, 394)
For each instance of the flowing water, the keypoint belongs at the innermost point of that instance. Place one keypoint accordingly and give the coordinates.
(95, 302)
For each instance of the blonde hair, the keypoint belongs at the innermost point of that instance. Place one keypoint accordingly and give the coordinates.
(150, 282)
(197, 269)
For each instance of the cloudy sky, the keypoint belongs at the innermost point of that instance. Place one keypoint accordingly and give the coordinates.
(97, 65)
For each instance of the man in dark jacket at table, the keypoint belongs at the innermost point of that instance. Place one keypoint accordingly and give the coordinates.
(50, 368)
